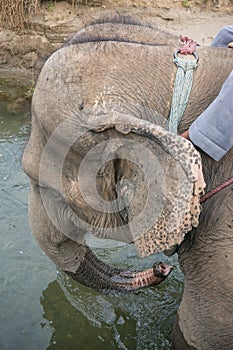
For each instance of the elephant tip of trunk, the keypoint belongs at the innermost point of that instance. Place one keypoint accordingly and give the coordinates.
(162, 270)
(131, 281)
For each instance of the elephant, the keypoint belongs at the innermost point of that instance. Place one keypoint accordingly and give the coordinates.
(119, 64)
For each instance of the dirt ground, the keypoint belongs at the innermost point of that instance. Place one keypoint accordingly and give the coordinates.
(26, 52)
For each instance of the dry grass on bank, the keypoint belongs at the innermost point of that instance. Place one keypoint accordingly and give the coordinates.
(17, 13)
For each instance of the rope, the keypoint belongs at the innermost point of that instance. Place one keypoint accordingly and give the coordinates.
(216, 190)
(182, 89)
(183, 83)
(189, 45)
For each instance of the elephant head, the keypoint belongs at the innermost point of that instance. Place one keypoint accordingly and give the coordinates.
(97, 115)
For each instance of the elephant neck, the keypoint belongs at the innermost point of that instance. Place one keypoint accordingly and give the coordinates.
(206, 260)
(214, 233)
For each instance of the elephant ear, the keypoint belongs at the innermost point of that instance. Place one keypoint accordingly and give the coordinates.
(182, 209)
(160, 216)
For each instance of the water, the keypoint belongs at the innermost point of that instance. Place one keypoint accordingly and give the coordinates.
(44, 309)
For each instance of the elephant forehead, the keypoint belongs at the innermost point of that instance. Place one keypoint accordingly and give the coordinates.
(80, 77)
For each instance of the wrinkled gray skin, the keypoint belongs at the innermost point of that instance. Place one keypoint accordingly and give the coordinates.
(130, 65)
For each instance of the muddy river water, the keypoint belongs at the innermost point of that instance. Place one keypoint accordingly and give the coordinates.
(42, 308)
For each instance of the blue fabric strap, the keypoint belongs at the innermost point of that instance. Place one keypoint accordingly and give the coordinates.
(182, 88)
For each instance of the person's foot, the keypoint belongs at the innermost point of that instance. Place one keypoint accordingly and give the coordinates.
(230, 45)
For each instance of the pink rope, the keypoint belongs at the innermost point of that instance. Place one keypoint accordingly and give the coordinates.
(216, 190)
(189, 45)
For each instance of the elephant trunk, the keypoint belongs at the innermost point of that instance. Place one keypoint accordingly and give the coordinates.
(94, 273)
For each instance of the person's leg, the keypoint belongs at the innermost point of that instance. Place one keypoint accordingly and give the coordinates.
(224, 37)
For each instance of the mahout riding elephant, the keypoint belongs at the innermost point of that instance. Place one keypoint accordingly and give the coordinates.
(110, 81)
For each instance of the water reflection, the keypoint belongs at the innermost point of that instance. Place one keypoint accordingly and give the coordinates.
(22, 276)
